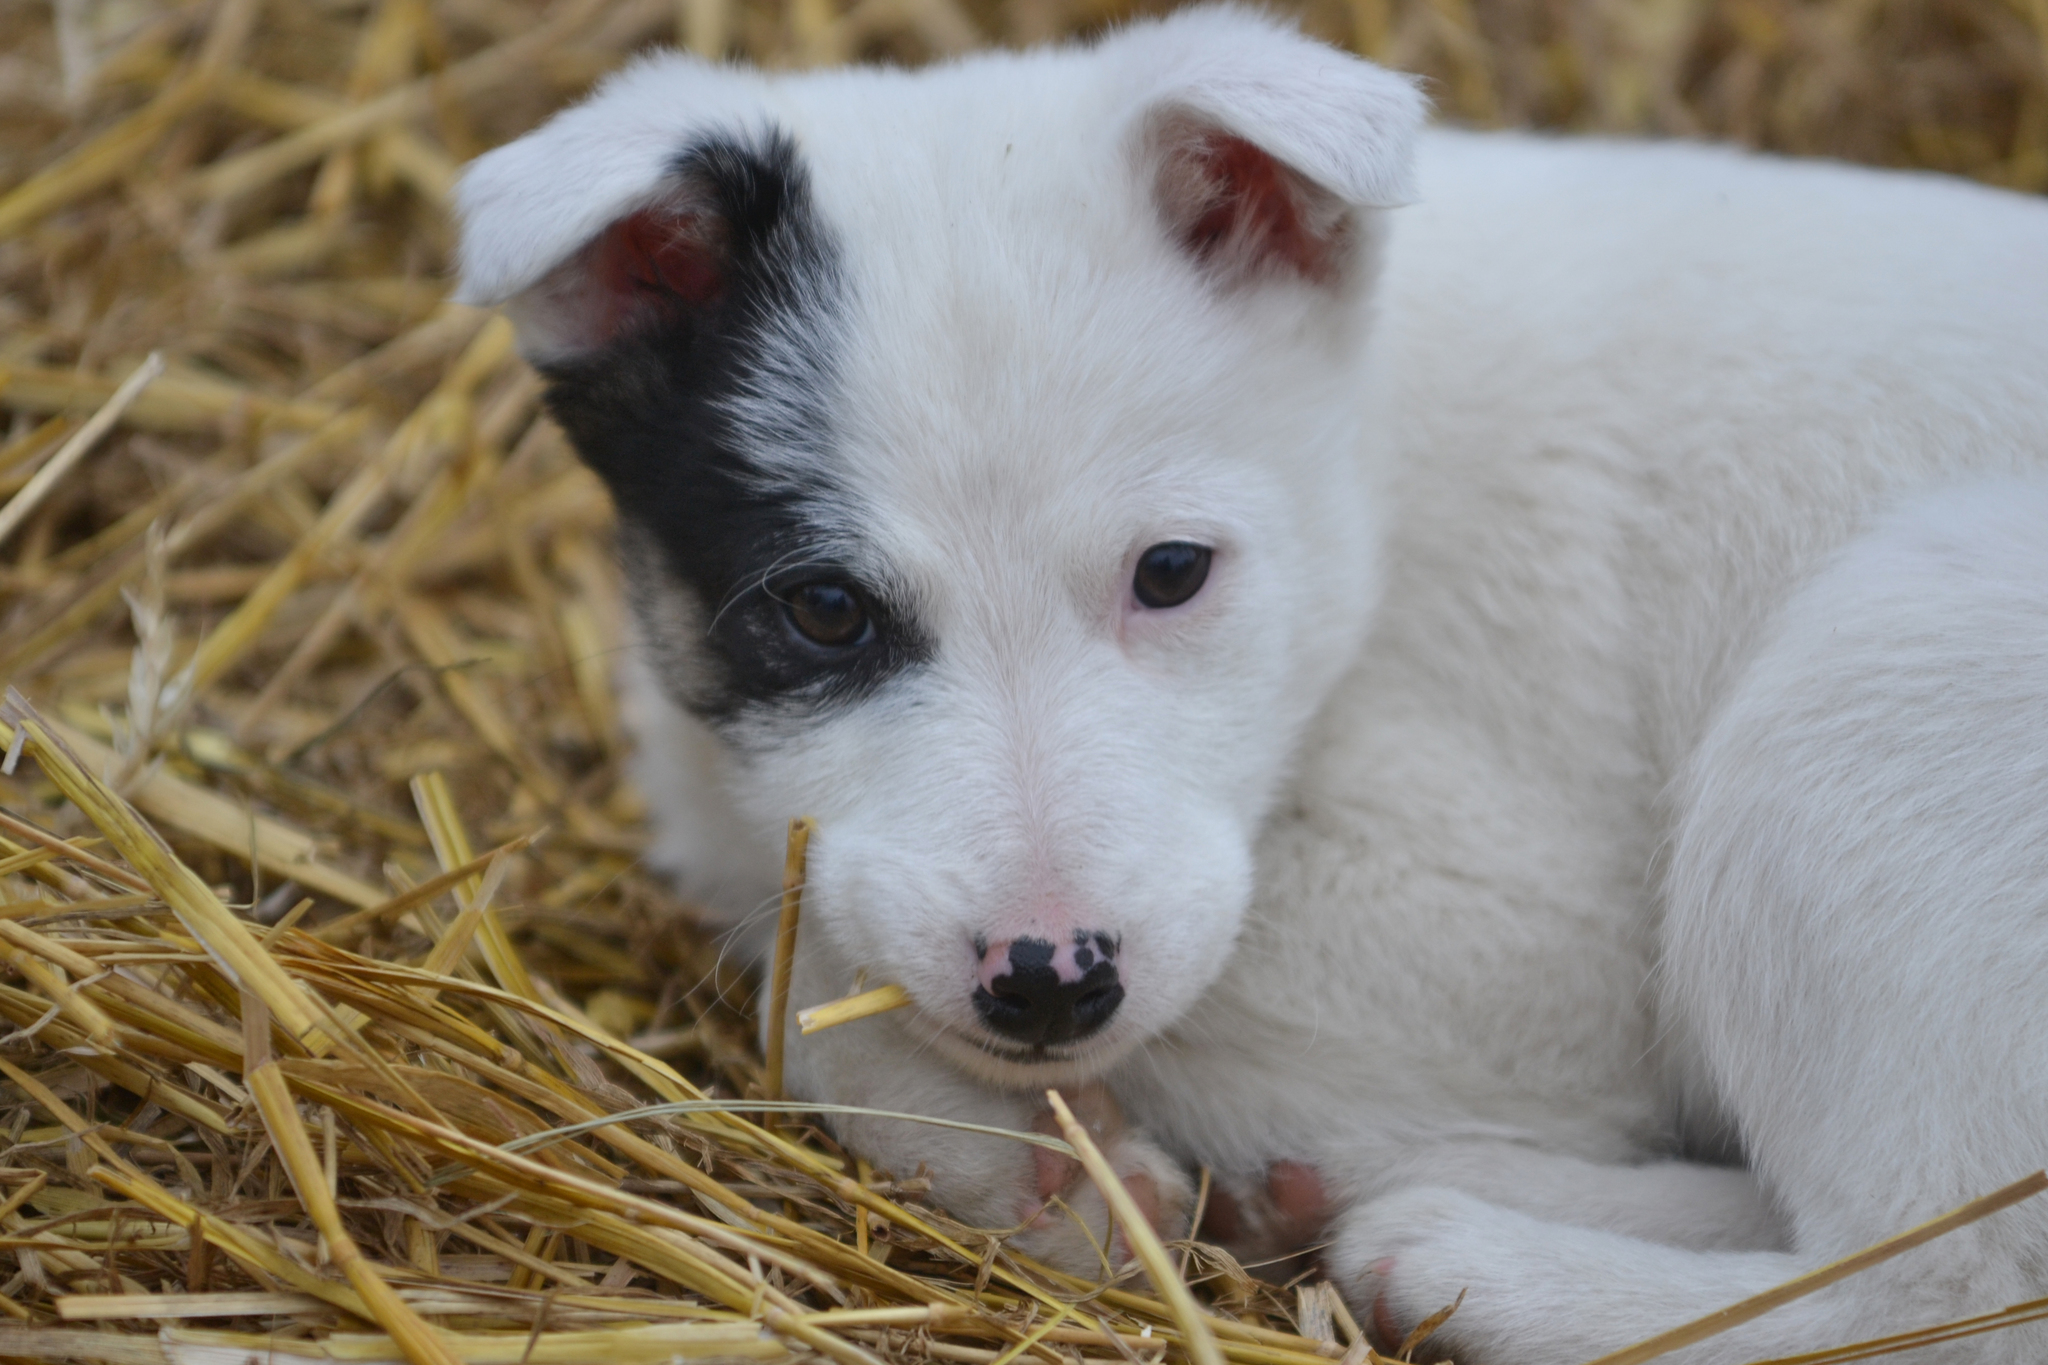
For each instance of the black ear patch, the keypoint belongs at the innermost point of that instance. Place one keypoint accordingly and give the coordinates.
(701, 389)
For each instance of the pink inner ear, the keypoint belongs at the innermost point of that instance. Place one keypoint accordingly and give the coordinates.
(1253, 210)
(658, 251)
(647, 262)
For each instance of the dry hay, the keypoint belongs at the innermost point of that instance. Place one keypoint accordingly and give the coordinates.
(330, 605)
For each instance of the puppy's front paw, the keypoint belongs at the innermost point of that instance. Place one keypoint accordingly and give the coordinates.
(1407, 1256)
(1067, 1223)
(1269, 1220)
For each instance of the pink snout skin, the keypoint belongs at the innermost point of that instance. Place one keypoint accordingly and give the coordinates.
(1070, 962)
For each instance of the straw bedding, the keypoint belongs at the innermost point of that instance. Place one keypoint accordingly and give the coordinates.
(327, 973)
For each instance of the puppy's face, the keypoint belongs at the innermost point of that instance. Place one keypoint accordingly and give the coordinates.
(987, 445)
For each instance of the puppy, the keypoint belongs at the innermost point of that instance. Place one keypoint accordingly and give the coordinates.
(1491, 690)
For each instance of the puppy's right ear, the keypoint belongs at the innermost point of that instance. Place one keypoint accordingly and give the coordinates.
(594, 225)
(1268, 152)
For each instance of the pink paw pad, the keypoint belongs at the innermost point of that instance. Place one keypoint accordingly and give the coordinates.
(1384, 1326)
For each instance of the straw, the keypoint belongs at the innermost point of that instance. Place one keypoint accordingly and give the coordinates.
(1196, 1336)
(79, 446)
(793, 865)
(849, 1008)
(510, 1102)
(281, 1120)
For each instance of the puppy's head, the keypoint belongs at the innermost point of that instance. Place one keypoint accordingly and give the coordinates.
(988, 450)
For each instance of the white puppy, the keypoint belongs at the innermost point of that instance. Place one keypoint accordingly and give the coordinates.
(1494, 691)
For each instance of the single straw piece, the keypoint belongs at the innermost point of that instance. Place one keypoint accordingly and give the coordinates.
(345, 928)
(78, 447)
(848, 1008)
(183, 403)
(171, 1307)
(436, 803)
(1196, 1338)
(1735, 1314)
(793, 867)
(294, 1148)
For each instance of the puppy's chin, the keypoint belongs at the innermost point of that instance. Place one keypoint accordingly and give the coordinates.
(1013, 1067)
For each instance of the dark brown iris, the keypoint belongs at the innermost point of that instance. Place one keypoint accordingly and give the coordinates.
(1170, 573)
(828, 614)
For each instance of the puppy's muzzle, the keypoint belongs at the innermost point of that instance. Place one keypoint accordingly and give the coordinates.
(1033, 991)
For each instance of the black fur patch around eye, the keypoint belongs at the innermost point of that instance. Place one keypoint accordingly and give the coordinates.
(710, 420)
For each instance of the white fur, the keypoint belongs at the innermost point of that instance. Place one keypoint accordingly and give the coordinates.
(1618, 716)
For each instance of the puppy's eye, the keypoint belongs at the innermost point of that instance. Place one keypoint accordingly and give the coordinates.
(1170, 573)
(828, 614)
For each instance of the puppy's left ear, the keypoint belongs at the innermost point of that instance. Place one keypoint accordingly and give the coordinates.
(1267, 150)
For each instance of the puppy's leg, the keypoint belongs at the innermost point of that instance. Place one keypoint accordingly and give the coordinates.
(1288, 1209)
(1566, 1285)
(1856, 939)
(1537, 1292)
(1679, 1203)
(1559, 1258)
(997, 1183)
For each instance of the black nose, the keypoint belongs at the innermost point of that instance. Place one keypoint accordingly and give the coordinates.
(1040, 993)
